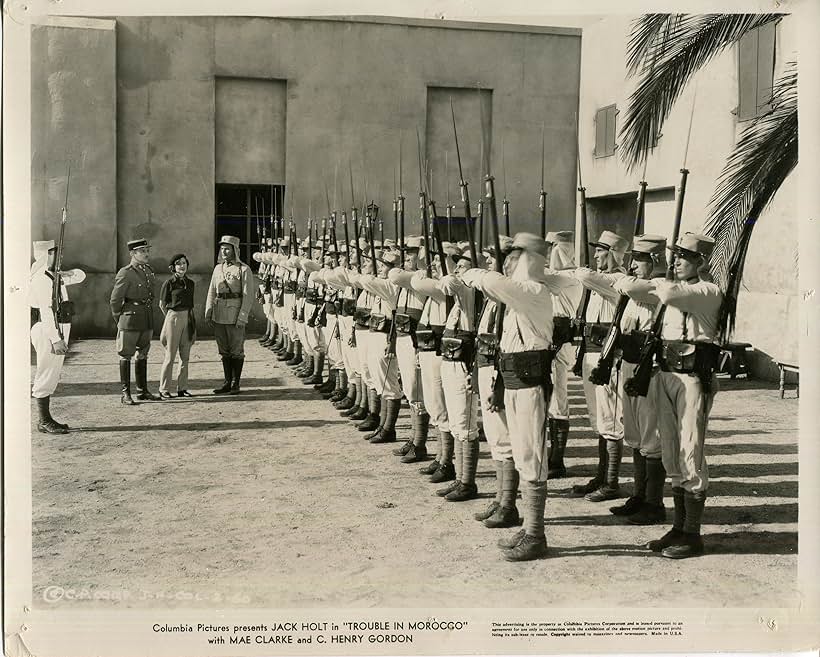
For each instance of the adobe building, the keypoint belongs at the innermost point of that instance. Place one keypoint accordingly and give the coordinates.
(184, 129)
(733, 88)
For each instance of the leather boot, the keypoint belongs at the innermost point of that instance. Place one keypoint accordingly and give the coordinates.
(125, 383)
(431, 468)
(507, 513)
(690, 543)
(599, 478)
(46, 423)
(374, 402)
(467, 489)
(387, 431)
(348, 405)
(652, 511)
(445, 471)
(296, 356)
(330, 386)
(481, 516)
(610, 489)
(636, 500)
(363, 410)
(418, 445)
(305, 369)
(674, 535)
(340, 391)
(227, 370)
(316, 377)
(401, 451)
(277, 346)
(141, 375)
(382, 416)
(236, 364)
(533, 544)
(286, 353)
(558, 445)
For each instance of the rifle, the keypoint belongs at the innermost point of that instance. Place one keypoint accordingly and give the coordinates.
(489, 185)
(423, 211)
(368, 225)
(580, 317)
(602, 372)
(505, 205)
(638, 384)
(480, 214)
(465, 197)
(62, 310)
(542, 199)
(449, 207)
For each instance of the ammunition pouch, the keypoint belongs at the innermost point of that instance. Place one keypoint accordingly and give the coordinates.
(380, 323)
(406, 323)
(361, 317)
(526, 369)
(290, 287)
(486, 349)
(348, 307)
(300, 292)
(330, 307)
(312, 295)
(458, 346)
(428, 338)
(562, 331)
(699, 358)
(65, 311)
(631, 345)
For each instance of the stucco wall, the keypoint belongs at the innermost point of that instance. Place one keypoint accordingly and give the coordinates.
(353, 87)
(768, 306)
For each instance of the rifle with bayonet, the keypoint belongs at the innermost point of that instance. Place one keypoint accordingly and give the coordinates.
(505, 204)
(63, 309)
(423, 212)
(602, 372)
(465, 197)
(542, 198)
(579, 323)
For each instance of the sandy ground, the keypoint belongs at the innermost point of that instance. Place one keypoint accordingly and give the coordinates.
(270, 499)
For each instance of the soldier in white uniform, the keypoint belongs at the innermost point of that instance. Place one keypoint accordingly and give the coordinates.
(525, 368)
(566, 297)
(227, 306)
(603, 402)
(406, 318)
(683, 390)
(645, 505)
(50, 331)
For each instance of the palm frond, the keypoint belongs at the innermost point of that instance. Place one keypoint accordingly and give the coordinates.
(671, 52)
(646, 30)
(765, 154)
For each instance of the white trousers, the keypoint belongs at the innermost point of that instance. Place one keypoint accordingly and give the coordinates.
(350, 355)
(363, 343)
(409, 369)
(434, 403)
(640, 420)
(683, 414)
(604, 402)
(332, 341)
(313, 336)
(527, 422)
(461, 400)
(561, 365)
(495, 424)
(384, 371)
(49, 364)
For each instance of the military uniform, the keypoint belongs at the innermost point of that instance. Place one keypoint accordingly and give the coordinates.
(132, 301)
(227, 306)
(50, 327)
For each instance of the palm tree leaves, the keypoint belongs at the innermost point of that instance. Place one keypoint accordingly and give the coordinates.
(764, 155)
(667, 50)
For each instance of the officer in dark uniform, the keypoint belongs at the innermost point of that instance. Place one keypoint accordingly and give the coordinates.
(132, 307)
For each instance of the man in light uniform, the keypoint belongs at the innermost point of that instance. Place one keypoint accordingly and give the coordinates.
(369, 410)
(603, 402)
(683, 390)
(227, 307)
(524, 365)
(566, 297)
(381, 360)
(457, 352)
(502, 511)
(50, 331)
(335, 387)
(314, 293)
(408, 314)
(428, 337)
(645, 505)
(131, 301)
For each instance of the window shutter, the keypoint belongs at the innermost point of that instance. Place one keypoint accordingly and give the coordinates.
(747, 75)
(611, 113)
(765, 67)
(600, 133)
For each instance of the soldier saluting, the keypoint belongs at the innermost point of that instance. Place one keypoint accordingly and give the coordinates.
(132, 307)
(226, 309)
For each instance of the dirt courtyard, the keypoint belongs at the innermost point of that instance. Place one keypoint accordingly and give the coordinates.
(270, 499)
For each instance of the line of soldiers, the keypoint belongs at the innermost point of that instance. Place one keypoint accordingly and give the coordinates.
(388, 328)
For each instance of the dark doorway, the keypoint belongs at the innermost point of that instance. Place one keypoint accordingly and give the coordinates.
(247, 212)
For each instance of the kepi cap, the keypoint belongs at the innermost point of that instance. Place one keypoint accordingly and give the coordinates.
(649, 244)
(611, 241)
(560, 237)
(694, 243)
(231, 241)
(141, 242)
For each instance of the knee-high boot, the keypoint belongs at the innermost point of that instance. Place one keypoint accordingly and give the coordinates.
(610, 488)
(373, 419)
(466, 489)
(387, 431)
(600, 476)
(507, 513)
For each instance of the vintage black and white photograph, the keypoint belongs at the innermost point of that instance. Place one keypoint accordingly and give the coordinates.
(445, 312)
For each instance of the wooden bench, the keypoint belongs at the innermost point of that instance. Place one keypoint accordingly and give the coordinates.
(788, 367)
(734, 359)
